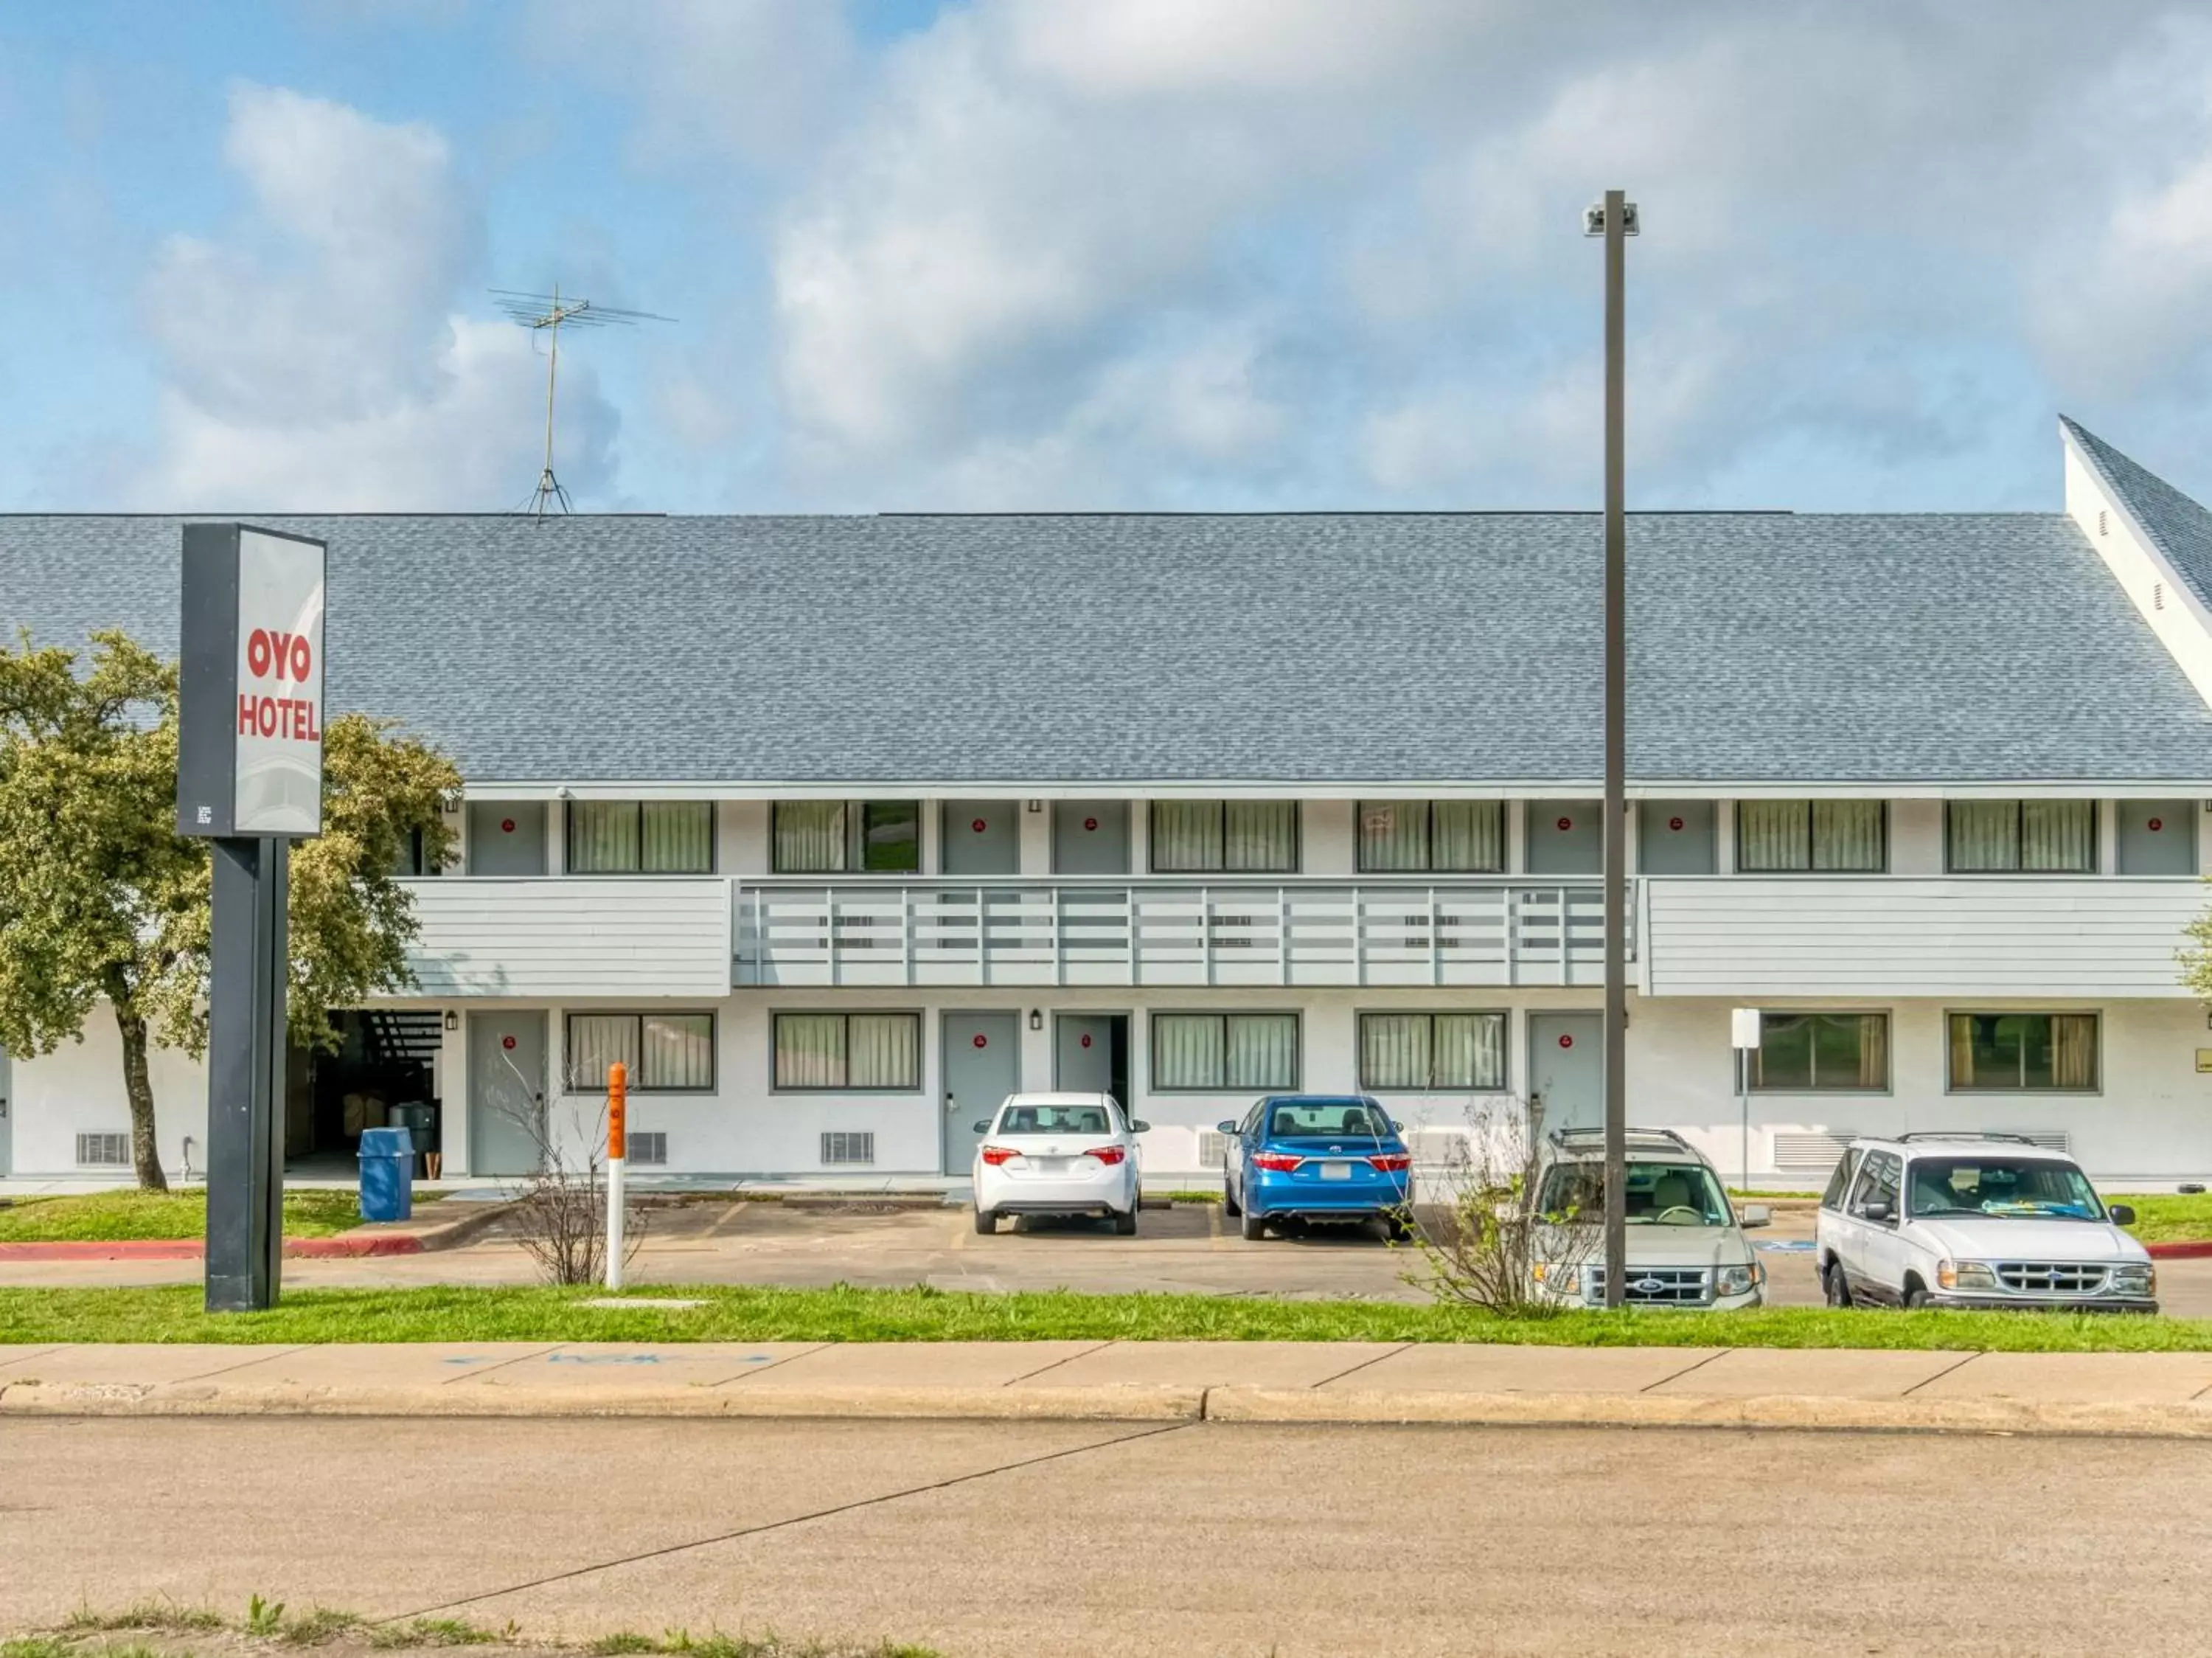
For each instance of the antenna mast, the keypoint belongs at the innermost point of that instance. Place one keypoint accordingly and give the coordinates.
(545, 313)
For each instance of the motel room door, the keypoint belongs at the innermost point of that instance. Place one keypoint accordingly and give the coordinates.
(983, 1066)
(1566, 1069)
(506, 1092)
(1091, 1054)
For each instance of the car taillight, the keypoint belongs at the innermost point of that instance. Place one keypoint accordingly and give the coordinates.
(1392, 1162)
(1277, 1162)
(1108, 1155)
(998, 1155)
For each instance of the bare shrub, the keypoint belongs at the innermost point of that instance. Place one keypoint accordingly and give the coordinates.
(1484, 1238)
(559, 1214)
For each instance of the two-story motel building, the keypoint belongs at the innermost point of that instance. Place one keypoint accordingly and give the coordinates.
(839, 829)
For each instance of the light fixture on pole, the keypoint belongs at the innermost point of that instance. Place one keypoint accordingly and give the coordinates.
(1613, 218)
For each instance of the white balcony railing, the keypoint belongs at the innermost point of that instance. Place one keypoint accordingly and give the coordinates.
(1169, 931)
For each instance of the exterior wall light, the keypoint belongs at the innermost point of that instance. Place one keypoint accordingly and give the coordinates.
(1037, 1018)
(453, 1020)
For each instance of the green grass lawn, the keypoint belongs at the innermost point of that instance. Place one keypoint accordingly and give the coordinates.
(112, 1216)
(2169, 1217)
(746, 1314)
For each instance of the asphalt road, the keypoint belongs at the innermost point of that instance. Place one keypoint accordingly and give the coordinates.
(1185, 1249)
(1021, 1540)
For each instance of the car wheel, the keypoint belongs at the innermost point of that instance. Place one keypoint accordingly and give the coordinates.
(1230, 1206)
(1915, 1298)
(1256, 1226)
(1839, 1287)
(1125, 1223)
(987, 1220)
(1398, 1227)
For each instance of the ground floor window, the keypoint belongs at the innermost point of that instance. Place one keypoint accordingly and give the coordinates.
(1801, 1052)
(879, 1051)
(1427, 1051)
(2011, 1051)
(1217, 1051)
(663, 1052)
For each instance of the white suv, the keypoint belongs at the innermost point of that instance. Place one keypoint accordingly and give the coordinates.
(1686, 1242)
(1975, 1220)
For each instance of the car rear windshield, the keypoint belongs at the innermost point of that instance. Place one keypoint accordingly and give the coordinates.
(1659, 1194)
(2014, 1188)
(1055, 1119)
(1327, 1118)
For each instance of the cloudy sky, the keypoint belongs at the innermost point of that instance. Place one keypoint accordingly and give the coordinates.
(1039, 253)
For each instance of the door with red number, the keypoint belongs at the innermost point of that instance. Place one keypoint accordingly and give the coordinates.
(507, 1092)
(983, 1066)
(506, 838)
(1090, 837)
(1566, 1070)
(2157, 837)
(982, 837)
(1565, 837)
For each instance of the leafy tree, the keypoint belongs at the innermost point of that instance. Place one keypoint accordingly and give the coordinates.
(100, 899)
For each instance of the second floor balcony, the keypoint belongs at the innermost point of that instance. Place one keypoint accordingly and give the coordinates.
(1170, 931)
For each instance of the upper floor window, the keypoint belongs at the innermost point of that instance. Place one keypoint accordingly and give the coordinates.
(1196, 837)
(834, 836)
(2053, 1051)
(1417, 835)
(2034, 837)
(1840, 837)
(650, 838)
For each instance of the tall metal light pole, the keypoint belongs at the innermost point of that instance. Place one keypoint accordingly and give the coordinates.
(1615, 218)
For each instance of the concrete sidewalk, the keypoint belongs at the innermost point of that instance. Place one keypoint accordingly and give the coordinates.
(1282, 1382)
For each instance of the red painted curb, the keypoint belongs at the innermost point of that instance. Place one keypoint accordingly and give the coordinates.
(2194, 1249)
(190, 1249)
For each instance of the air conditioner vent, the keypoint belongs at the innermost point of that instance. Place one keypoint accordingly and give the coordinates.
(103, 1150)
(1213, 1148)
(647, 1148)
(1818, 1153)
(842, 1146)
(2104, 522)
(2158, 595)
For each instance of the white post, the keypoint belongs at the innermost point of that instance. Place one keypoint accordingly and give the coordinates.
(1744, 1038)
(617, 1148)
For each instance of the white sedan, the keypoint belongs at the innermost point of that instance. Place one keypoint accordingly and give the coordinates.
(1058, 1154)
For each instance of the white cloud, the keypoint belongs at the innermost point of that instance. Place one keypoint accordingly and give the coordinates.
(315, 358)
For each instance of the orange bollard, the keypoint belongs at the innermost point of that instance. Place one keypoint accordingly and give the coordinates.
(617, 1145)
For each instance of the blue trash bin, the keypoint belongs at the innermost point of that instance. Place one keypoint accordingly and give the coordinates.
(388, 1174)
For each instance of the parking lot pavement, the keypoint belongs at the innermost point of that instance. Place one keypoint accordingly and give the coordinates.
(1187, 1249)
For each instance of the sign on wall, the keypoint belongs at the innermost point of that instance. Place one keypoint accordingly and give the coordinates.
(250, 699)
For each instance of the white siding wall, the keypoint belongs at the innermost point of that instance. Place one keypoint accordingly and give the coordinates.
(642, 936)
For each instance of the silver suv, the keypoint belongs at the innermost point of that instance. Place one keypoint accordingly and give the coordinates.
(1975, 1220)
(1686, 1242)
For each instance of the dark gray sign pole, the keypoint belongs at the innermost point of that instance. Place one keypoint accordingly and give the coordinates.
(249, 779)
(1619, 216)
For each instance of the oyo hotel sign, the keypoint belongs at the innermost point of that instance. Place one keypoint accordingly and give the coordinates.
(250, 694)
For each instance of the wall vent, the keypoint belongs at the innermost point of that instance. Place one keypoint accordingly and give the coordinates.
(1213, 1148)
(2158, 595)
(2058, 1143)
(103, 1150)
(843, 1146)
(1443, 1148)
(650, 1148)
(1816, 1153)
(2104, 522)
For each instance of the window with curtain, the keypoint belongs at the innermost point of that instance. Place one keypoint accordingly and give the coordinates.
(1830, 837)
(2031, 836)
(2054, 1052)
(665, 1052)
(829, 837)
(879, 1052)
(1428, 1051)
(1237, 837)
(630, 837)
(1799, 1053)
(1209, 1051)
(1423, 836)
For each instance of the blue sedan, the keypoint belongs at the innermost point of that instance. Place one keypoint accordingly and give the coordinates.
(1317, 1157)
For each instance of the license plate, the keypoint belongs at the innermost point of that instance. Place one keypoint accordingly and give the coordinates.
(1050, 1165)
(1336, 1171)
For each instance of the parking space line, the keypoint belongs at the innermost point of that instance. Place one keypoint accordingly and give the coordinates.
(727, 1219)
(1213, 1227)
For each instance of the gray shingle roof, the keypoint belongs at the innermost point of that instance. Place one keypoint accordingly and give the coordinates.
(1316, 648)
(2182, 529)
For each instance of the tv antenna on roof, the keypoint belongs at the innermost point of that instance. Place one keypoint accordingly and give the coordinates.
(548, 313)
